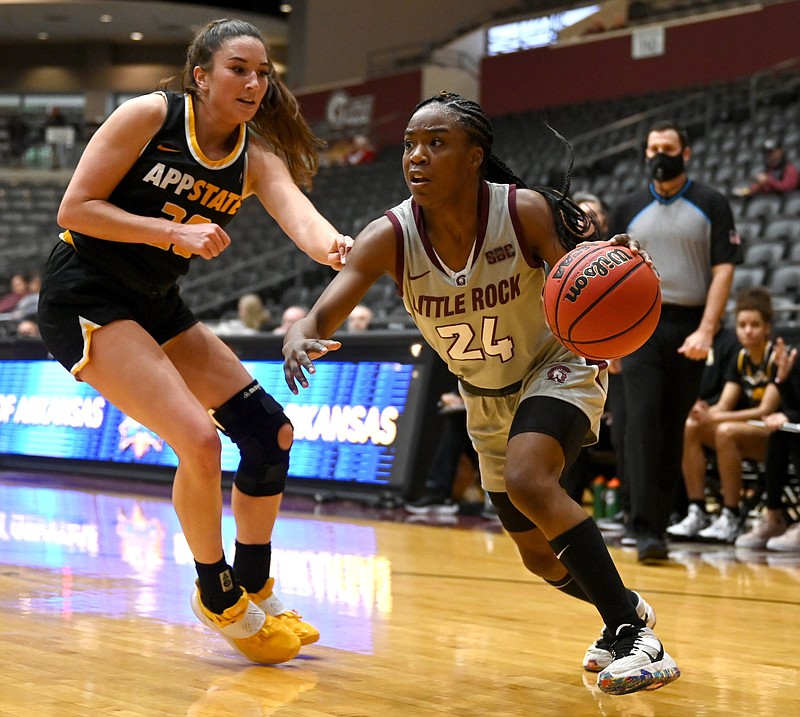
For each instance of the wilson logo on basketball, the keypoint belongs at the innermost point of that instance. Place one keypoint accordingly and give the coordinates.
(602, 301)
(601, 266)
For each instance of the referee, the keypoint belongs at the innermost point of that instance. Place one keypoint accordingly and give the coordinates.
(688, 230)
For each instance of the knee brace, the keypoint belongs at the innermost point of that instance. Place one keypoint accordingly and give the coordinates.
(511, 518)
(252, 419)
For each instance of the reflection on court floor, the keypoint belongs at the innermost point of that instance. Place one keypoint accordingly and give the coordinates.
(135, 548)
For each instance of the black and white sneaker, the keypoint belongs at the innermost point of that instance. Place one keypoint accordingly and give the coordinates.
(640, 663)
(598, 655)
(429, 503)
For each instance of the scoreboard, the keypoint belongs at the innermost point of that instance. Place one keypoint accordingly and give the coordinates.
(363, 424)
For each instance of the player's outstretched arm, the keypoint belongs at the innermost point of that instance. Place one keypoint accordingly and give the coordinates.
(372, 255)
(270, 180)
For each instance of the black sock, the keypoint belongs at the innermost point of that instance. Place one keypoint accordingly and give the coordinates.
(584, 554)
(701, 503)
(218, 587)
(733, 509)
(569, 586)
(251, 565)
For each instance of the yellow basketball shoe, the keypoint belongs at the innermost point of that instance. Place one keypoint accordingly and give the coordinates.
(271, 604)
(246, 628)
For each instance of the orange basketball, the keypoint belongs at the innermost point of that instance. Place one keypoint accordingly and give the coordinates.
(602, 301)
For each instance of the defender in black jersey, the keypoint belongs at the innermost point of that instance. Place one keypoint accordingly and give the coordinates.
(467, 251)
(154, 189)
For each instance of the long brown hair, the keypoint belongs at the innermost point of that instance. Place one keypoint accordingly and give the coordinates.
(278, 120)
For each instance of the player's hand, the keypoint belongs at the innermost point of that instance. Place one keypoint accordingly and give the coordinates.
(774, 421)
(337, 256)
(784, 359)
(205, 240)
(636, 248)
(698, 409)
(298, 356)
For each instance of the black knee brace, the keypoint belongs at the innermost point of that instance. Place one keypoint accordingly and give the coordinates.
(511, 518)
(252, 419)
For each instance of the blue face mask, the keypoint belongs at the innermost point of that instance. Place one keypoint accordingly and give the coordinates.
(664, 167)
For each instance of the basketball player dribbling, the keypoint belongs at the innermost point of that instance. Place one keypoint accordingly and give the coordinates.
(467, 252)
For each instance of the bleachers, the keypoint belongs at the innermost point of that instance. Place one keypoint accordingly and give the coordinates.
(28, 227)
(727, 127)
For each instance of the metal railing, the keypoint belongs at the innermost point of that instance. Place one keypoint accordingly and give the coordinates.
(776, 80)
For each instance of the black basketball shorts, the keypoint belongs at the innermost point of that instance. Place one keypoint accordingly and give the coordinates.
(76, 299)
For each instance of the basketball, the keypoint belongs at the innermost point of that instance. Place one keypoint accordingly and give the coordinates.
(602, 301)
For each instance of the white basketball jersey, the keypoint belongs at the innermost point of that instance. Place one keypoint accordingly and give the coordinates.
(487, 321)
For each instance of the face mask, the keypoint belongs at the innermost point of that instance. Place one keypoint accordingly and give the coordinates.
(664, 167)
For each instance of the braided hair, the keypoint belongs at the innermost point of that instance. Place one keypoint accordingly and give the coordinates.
(572, 223)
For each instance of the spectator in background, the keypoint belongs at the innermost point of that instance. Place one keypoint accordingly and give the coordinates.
(18, 138)
(595, 208)
(252, 318)
(749, 394)
(253, 315)
(454, 442)
(360, 318)
(18, 288)
(28, 327)
(779, 175)
(288, 317)
(772, 530)
(57, 136)
(361, 151)
(335, 153)
(688, 230)
(28, 305)
(715, 372)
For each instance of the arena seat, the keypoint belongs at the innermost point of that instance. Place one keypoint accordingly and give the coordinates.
(763, 206)
(785, 281)
(745, 277)
(768, 254)
(782, 229)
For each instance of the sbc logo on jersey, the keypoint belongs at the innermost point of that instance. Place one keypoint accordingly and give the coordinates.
(558, 373)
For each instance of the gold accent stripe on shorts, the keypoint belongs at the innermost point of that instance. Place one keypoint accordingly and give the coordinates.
(87, 328)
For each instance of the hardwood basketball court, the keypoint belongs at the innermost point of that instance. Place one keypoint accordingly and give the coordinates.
(416, 619)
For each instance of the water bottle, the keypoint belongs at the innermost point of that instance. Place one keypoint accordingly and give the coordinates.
(598, 496)
(612, 498)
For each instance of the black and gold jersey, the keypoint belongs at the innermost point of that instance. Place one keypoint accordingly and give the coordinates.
(752, 377)
(173, 179)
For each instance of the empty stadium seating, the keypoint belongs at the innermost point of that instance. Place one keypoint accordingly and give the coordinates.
(727, 128)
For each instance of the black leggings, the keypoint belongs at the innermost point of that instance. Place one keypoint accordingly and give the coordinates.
(560, 420)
